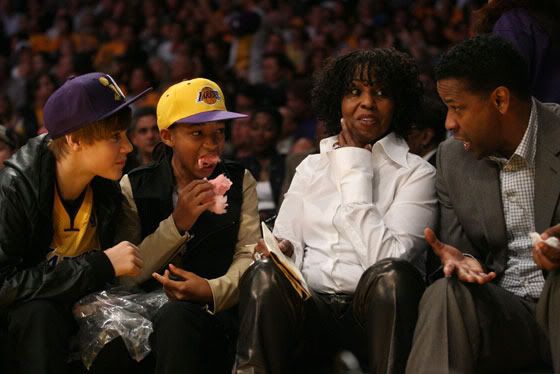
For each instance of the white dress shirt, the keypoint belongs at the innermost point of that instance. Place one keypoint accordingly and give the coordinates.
(428, 155)
(348, 208)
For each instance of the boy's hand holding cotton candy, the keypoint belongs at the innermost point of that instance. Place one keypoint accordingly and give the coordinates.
(198, 196)
(221, 185)
(193, 199)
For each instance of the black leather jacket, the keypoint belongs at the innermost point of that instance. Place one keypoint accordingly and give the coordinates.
(26, 203)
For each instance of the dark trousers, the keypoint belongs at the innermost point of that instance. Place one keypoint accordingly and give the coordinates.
(469, 328)
(281, 333)
(37, 337)
(187, 339)
(548, 312)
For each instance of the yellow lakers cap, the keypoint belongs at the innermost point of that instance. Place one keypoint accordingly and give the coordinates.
(194, 101)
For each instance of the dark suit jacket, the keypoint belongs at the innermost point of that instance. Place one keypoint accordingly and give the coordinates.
(471, 214)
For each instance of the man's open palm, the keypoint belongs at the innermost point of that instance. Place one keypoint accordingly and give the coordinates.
(466, 268)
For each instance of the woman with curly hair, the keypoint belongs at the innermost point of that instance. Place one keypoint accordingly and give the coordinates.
(353, 222)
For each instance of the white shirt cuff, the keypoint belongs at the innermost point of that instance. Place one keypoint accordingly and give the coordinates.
(354, 168)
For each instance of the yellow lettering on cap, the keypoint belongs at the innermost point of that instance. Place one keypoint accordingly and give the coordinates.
(105, 82)
(208, 96)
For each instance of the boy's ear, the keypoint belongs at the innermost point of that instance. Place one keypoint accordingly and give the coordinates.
(73, 144)
(167, 138)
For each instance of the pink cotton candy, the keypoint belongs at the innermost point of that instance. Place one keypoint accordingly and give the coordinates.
(221, 185)
(208, 160)
(220, 205)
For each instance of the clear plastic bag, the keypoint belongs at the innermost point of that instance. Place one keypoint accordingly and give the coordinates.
(105, 315)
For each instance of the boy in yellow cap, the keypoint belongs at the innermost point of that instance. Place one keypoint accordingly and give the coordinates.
(171, 212)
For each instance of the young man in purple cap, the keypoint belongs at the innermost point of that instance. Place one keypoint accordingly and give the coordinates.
(59, 206)
(171, 205)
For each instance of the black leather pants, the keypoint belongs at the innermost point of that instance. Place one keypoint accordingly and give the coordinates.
(281, 333)
(38, 336)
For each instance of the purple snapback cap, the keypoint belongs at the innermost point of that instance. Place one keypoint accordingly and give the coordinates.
(83, 100)
(211, 116)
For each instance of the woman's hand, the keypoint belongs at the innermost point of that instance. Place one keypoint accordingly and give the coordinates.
(347, 139)
(261, 250)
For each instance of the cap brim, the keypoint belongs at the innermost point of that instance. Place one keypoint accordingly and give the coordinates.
(211, 116)
(127, 102)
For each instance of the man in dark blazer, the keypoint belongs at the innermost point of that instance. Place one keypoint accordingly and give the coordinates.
(498, 180)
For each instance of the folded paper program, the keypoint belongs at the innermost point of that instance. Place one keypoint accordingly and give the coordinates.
(288, 268)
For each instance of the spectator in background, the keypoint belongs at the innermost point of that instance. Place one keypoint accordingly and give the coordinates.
(114, 45)
(11, 20)
(277, 71)
(141, 78)
(182, 67)
(20, 75)
(10, 118)
(239, 145)
(532, 27)
(174, 38)
(9, 144)
(144, 135)
(149, 37)
(427, 130)
(40, 90)
(295, 47)
(298, 96)
(266, 164)
(215, 54)
(247, 43)
(289, 127)
(65, 67)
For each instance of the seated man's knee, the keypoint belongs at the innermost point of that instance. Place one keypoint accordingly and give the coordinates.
(441, 291)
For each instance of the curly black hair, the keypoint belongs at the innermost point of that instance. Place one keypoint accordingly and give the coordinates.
(484, 63)
(394, 71)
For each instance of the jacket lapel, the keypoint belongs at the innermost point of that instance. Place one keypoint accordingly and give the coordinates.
(547, 168)
(486, 187)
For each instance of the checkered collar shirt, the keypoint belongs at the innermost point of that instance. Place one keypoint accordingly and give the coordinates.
(517, 181)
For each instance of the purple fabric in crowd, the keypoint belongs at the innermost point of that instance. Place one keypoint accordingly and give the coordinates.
(533, 43)
(83, 100)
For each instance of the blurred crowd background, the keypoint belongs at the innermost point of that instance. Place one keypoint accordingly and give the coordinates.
(262, 53)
